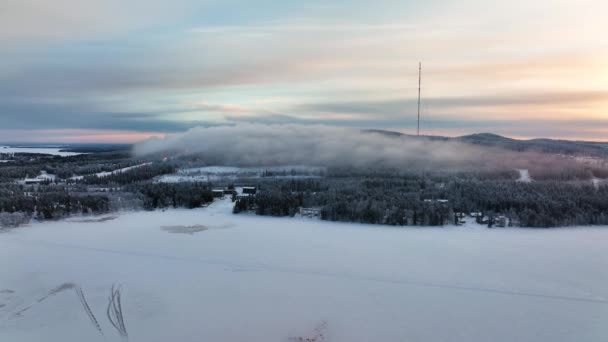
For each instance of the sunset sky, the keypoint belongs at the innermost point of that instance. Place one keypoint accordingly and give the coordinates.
(121, 71)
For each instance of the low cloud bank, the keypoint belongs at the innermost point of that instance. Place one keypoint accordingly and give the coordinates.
(339, 147)
(264, 145)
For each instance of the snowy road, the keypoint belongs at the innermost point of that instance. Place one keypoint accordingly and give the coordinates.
(264, 279)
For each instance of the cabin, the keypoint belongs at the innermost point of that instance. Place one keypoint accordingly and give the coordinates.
(242, 196)
(250, 190)
(441, 201)
(44, 177)
(310, 212)
(229, 192)
(501, 221)
(459, 219)
(103, 189)
(217, 193)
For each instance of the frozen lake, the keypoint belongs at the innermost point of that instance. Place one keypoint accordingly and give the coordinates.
(207, 275)
(56, 151)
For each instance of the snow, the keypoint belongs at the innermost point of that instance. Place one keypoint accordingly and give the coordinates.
(115, 172)
(176, 178)
(216, 173)
(250, 278)
(524, 176)
(597, 182)
(42, 177)
(248, 170)
(39, 150)
(105, 174)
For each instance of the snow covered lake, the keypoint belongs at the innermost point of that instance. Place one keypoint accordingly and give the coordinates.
(207, 275)
(56, 151)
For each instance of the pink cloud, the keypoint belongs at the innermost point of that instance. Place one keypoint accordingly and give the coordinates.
(76, 136)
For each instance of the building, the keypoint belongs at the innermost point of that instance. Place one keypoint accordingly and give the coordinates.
(250, 190)
(30, 181)
(442, 201)
(217, 193)
(459, 219)
(230, 192)
(501, 221)
(43, 177)
(310, 212)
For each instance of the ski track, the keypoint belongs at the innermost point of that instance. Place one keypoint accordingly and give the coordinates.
(58, 290)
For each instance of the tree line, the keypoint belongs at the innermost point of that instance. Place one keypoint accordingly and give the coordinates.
(426, 200)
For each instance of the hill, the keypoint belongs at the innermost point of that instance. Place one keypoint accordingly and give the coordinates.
(569, 147)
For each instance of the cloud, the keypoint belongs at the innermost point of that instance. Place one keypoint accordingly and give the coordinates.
(91, 115)
(74, 136)
(83, 19)
(396, 106)
(354, 149)
(257, 144)
(132, 65)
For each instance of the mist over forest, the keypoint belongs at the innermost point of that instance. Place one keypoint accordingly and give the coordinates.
(338, 147)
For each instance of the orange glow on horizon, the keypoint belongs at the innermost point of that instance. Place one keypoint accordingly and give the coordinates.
(113, 137)
(78, 136)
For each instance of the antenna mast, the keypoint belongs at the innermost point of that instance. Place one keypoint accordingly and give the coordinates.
(419, 83)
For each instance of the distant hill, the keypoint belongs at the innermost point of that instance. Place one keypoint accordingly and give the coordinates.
(97, 148)
(570, 147)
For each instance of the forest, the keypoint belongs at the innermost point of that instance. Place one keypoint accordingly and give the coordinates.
(401, 197)
(48, 202)
(431, 201)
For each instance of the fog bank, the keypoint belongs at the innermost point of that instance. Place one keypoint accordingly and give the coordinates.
(257, 145)
(268, 145)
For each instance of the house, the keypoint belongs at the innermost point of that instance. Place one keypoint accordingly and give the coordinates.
(43, 177)
(102, 189)
(310, 212)
(501, 221)
(459, 218)
(441, 201)
(249, 190)
(230, 192)
(29, 181)
(217, 193)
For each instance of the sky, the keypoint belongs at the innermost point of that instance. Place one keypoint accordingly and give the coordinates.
(123, 71)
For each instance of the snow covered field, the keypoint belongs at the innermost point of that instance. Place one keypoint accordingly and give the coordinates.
(215, 173)
(207, 275)
(40, 150)
(115, 172)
